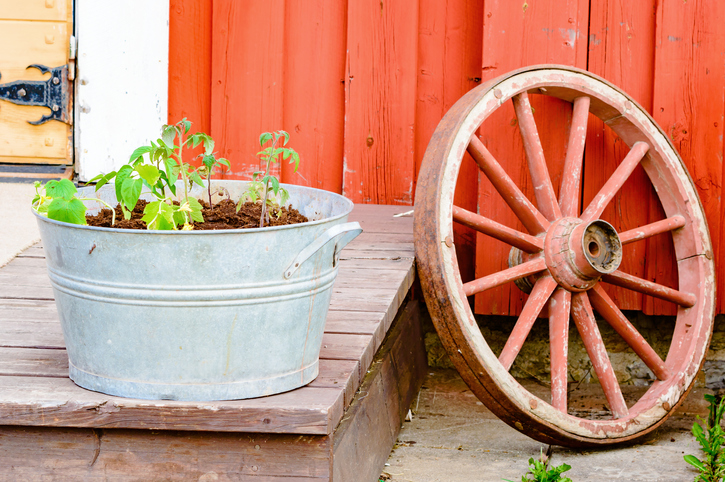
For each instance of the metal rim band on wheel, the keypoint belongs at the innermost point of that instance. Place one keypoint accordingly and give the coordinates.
(565, 254)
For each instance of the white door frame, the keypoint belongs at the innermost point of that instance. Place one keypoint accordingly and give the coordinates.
(121, 94)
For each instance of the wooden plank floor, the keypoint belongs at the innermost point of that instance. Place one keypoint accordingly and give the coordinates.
(376, 273)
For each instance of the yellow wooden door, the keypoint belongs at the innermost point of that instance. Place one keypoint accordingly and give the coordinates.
(34, 32)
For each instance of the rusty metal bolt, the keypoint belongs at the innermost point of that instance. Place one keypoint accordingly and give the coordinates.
(448, 241)
(533, 404)
(666, 406)
(518, 426)
(497, 93)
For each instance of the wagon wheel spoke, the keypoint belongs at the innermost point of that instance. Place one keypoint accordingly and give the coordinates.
(525, 242)
(614, 183)
(497, 279)
(540, 294)
(628, 281)
(530, 217)
(543, 189)
(583, 317)
(605, 306)
(649, 230)
(559, 309)
(571, 177)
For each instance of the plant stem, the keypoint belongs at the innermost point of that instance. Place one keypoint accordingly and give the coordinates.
(208, 185)
(113, 211)
(266, 184)
(183, 173)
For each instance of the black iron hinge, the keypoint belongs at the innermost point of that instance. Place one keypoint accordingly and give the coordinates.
(53, 93)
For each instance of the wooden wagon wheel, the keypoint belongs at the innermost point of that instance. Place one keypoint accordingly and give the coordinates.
(567, 251)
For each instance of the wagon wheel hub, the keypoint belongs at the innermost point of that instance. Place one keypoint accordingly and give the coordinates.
(577, 253)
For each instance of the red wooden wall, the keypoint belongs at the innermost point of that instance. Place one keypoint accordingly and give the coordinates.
(362, 84)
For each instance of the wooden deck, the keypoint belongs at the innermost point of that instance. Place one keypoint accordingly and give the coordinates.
(340, 427)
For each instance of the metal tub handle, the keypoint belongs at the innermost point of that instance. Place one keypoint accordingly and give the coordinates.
(348, 231)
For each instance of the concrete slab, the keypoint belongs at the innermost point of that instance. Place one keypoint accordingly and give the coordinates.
(18, 228)
(454, 438)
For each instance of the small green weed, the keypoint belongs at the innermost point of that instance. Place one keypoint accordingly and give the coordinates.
(711, 438)
(539, 471)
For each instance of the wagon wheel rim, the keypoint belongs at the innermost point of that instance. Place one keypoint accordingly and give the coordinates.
(573, 283)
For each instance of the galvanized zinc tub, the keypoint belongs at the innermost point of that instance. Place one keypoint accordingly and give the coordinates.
(197, 315)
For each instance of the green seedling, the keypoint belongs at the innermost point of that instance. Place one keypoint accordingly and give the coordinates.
(158, 167)
(711, 438)
(260, 188)
(58, 200)
(211, 164)
(539, 471)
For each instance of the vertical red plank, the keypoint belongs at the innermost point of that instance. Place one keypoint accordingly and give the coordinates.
(516, 34)
(622, 50)
(314, 93)
(379, 164)
(688, 105)
(449, 65)
(247, 81)
(720, 265)
(190, 62)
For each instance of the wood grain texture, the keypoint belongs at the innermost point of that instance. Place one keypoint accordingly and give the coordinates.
(314, 98)
(515, 35)
(103, 454)
(247, 79)
(37, 11)
(338, 369)
(339, 374)
(357, 448)
(622, 50)
(362, 85)
(378, 218)
(688, 104)
(190, 55)
(373, 421)
(58, 402)
(358, 322)
(380, 99)
(33, 42)
(449, 65)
